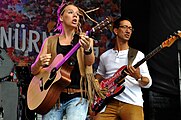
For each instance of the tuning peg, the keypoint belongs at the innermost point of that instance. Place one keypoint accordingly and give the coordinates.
(106, 28)
(178, 34)
(178, 31)
(175, 33)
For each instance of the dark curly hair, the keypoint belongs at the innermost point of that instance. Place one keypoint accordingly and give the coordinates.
(116, 23)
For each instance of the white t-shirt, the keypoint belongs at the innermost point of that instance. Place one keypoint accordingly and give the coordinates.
(111, 61)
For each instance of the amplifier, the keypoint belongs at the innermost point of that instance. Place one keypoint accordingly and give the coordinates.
(9, 100)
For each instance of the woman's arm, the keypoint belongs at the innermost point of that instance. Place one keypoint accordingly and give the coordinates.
(38, 64)
(89, 58)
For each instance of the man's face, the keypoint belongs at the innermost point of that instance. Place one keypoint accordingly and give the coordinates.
(124, 31)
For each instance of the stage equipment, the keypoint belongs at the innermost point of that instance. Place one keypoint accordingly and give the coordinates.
(6, 64)
(24, 77)
(8, 100)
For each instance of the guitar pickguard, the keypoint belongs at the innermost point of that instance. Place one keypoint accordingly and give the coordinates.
(50, 80)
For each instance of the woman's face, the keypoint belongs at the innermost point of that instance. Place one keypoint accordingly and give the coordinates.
(70, 16)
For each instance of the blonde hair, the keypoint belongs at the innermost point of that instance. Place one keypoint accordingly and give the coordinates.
(60, 12)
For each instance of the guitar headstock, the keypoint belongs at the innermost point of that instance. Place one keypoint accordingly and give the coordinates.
(171, 40)
(103, 24)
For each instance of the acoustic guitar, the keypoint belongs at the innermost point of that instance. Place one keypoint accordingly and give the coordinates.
(45, 88)
(114, 85)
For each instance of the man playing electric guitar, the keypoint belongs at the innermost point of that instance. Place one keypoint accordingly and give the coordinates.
(127, 105)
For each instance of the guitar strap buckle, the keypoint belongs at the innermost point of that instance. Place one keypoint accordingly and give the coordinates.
(72, 90)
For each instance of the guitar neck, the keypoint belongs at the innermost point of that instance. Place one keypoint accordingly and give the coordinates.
(89, 33)
(151, 54)
(68, 55)
(72, 51)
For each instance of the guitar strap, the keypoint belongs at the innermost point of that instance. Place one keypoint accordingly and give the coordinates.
(131, 55)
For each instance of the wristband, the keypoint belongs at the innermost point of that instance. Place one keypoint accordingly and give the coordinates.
(88, 51)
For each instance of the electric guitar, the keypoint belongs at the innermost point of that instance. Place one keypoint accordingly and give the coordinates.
(45, 88)
(114, 85)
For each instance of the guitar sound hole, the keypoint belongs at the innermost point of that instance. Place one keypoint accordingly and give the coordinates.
(51, 78)
(53, 73)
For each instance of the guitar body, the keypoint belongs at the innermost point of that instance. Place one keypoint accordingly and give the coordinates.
(113, 87)
(42, 94)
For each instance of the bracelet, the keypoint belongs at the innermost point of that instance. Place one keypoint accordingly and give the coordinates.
(139, 79)
(88, 51)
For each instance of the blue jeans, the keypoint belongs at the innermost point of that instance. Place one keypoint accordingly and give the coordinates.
(69, 110)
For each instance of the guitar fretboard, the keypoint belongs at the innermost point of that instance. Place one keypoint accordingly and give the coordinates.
(68, 55)
(72, 51)
(89, 33)
(151, 54)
